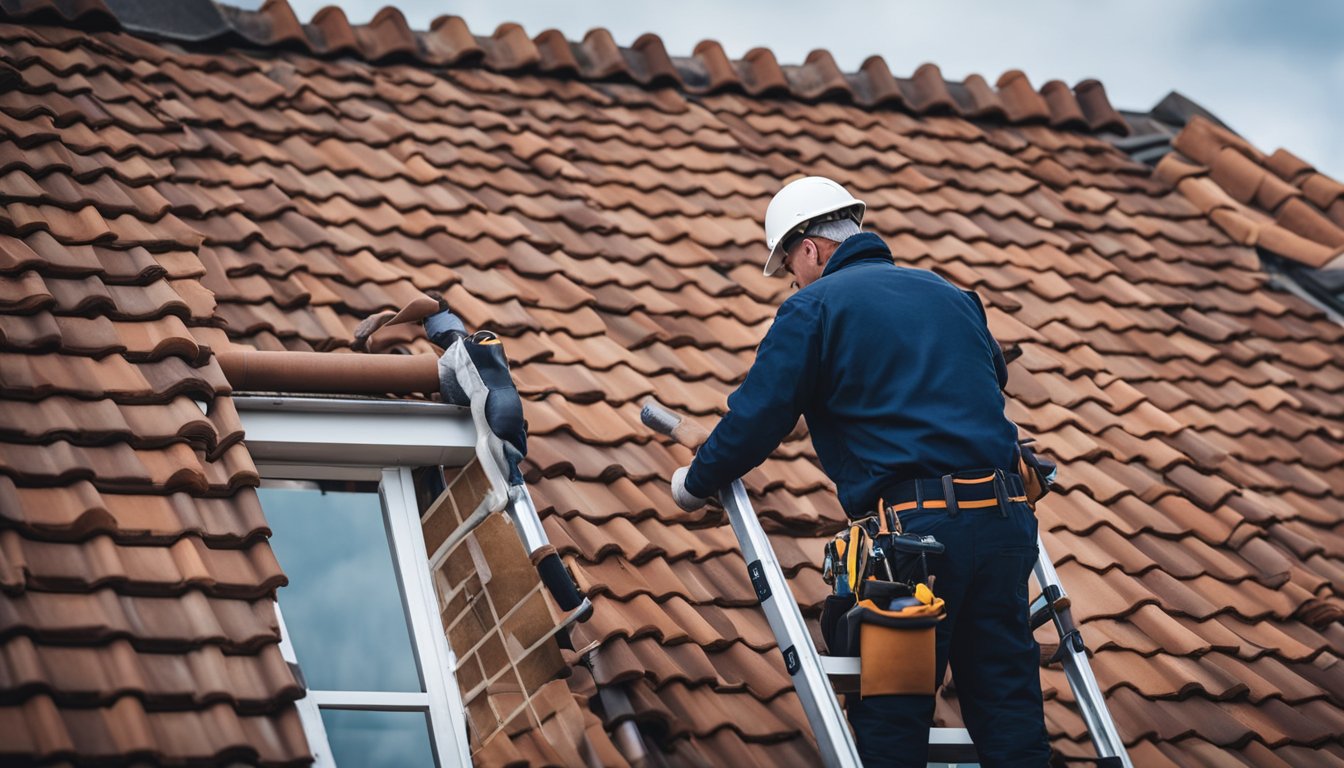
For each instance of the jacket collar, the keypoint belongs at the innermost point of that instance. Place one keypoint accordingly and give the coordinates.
(864, 246)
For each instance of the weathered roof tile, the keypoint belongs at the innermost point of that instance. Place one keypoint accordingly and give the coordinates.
(574, 197)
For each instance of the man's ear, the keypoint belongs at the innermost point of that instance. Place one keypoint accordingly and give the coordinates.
(818, 255)
(815, 252)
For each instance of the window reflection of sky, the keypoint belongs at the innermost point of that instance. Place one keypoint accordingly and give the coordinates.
(343, 605)
(377, 739)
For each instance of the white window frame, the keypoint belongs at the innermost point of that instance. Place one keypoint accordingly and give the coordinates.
(299, 438)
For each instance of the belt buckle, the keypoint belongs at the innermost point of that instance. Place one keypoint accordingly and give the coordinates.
(950, 495)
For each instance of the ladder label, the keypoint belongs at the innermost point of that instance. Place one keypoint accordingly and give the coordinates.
(756, 573)
(791, 661)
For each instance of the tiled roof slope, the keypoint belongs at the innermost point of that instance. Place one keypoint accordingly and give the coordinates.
(161, 205)
(388, 38)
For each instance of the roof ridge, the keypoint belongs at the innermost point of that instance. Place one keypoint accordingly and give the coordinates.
(1301, 210)
(387, 37)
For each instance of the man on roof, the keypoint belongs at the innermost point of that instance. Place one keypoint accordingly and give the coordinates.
(901, 384)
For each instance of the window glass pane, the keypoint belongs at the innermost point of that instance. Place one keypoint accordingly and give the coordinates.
(374, 739)
(343, 605)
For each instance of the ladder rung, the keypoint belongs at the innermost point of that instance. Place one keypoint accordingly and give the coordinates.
(951, 745)
(838, 666)
(1043, 611)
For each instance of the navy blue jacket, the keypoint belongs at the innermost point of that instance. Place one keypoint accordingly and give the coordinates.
(894, 369)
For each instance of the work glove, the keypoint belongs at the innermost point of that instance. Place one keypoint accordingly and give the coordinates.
(682, 496)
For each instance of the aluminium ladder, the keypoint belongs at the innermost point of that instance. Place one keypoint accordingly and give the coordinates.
(810, 670)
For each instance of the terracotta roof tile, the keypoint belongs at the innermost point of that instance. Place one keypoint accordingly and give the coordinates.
(1279, 188)
(188, 564)
(597, 206)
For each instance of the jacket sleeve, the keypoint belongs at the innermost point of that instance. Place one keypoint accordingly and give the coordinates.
(768, 403)
(996, 351)
(1000, 365)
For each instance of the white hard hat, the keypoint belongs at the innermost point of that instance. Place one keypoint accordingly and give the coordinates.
(799, 203)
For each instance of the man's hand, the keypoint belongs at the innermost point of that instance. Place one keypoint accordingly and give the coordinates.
(683, 497)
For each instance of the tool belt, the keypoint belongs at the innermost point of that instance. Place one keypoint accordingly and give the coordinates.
(883, 609)
(971, 489)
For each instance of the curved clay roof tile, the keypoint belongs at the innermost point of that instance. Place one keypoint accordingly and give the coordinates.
(1273, 192)
(718, 69)
(1096, 106)
(80, 11)
(1064, 109)
(1020, 101)
(280, 25)
(1300, 217)
(929, 94)
(337, 34)
(450, 37)
(1279, 240)
(819, 77)
(557, 57)
(1196, 142)
(1288, 166)
(1322, 190)
(985, 102)
(1172, 169)
(652, 65)
(882, 87)
(1319, 614)
(387, 35)
(603, 57)
(1201, 139)
(762, 73)
(449, 42)
(510, 49)
(1236, 173)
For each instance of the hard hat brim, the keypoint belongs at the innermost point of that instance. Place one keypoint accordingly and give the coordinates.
(775, 260)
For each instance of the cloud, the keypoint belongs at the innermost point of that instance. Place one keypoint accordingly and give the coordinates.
(342, 607)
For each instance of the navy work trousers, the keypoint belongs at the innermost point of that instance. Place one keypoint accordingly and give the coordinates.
(986, 637)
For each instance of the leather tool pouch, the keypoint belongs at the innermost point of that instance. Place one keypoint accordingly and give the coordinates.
(843, 624)
(896, 659)
(897, 645)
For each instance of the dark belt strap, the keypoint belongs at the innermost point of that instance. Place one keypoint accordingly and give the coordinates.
(970, 489)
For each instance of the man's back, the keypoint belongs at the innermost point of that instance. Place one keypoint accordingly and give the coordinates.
(894, 369)
(911, 378)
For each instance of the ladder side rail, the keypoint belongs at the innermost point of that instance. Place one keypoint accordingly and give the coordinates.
(834, 739)
(526, 520)
(1078, 670)
(801, 659)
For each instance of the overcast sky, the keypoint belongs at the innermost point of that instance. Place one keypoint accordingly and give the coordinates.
(1273, 71)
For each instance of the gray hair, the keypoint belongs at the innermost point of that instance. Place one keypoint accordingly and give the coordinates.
(838, 230)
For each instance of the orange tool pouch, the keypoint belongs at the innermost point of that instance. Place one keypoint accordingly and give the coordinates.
(897, 646)
(890, 624)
